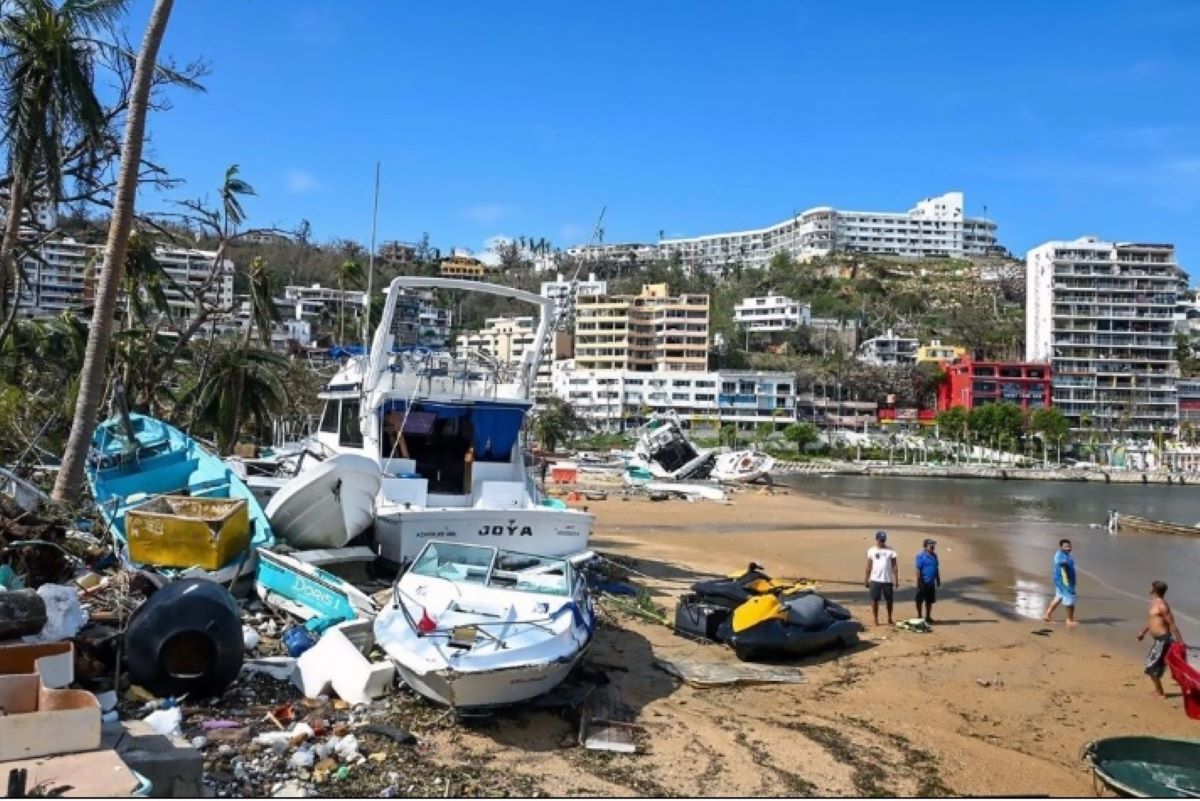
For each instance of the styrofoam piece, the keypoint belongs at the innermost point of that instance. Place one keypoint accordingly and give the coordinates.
(277, 667)
(65, 616)
(336, 662)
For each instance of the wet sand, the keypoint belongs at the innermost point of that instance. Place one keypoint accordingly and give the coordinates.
(981, 705)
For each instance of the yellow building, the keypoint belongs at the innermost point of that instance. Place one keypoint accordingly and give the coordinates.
(458, 266)
(650, 331)
(935, 351)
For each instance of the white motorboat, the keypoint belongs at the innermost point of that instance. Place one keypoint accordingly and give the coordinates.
(690, 491)
(474, 626)
(664, 450)
(445, 433)
(742, 467)
(328, 504)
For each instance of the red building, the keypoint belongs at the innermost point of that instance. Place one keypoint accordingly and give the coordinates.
(972, 384)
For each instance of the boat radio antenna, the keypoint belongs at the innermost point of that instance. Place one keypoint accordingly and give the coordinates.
(566, 310)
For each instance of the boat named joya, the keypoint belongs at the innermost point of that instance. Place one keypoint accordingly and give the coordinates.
(445, 433)
(474, 626)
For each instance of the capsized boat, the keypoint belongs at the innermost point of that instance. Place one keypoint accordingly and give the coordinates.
(665, 451)
(445, 432)
(1119, 521)
(328, 504)
(135, 457)
(307, 591)
(473, 626)
(743, 467)
(1147, 767)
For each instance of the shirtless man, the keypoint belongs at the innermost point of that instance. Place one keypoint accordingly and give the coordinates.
(1160, 623)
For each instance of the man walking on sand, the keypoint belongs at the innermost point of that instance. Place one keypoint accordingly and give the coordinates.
(881, 577)
(929, 578)
(1064, 583)
(1160, 623)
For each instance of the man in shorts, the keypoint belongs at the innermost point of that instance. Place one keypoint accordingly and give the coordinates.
(1064, 583)
(881, 577)
(1160, 624)
(929, 578)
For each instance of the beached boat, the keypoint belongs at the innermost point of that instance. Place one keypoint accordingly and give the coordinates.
(689, 491)
(473, 626)
(135, 458)
(327, 505)
(1147, 767)
(445, 433)
(1118, 521)
(742, 467)
(307, 591)
(665, 451)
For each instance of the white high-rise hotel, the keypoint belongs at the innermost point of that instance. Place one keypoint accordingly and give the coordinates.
(935, 227)
(1101, 314)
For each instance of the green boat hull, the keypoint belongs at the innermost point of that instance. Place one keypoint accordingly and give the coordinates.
(1148, 767)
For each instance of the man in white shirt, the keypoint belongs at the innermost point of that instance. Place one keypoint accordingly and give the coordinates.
(881, 577)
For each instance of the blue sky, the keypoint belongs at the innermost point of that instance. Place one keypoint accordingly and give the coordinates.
(1063, 118)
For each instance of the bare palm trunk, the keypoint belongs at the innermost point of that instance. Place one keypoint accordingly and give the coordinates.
(10, 281)
(91, 384)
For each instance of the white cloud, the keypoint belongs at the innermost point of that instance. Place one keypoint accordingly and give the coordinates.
(300, 181)
(488, 213)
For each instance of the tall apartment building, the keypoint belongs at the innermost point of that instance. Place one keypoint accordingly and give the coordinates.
(505, 339)
(190, 270)
(771, 313)
(1102, 314)
(936, 227)
(647, 332)
(40, 214)
(565, 293)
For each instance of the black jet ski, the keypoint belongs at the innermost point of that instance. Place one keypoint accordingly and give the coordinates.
(737, 588)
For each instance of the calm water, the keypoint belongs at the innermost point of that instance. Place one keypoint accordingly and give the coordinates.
(1016, 526)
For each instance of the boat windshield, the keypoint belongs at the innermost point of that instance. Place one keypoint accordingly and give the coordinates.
(479, 564)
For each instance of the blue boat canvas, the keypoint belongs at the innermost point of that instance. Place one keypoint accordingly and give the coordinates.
(130, 463)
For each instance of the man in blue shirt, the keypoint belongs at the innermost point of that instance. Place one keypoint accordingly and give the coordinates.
(1064, 583)
(929, 578)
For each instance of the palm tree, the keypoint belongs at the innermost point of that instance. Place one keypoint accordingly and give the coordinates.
(348, 272)
(91, 384)
(260, 376)
(557, 422)
(46, 70)
(263, 313)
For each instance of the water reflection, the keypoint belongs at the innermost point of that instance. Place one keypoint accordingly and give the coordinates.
(1030, 599)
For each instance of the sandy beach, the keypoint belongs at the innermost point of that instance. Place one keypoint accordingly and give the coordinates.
(981, 705)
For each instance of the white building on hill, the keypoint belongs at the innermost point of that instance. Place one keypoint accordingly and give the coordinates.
(771, 313)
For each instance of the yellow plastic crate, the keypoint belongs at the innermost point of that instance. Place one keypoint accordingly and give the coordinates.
(181, 531)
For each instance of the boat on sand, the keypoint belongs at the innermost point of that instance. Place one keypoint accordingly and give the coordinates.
(327, 505)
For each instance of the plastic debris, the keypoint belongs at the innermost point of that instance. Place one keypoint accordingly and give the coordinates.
(64, 614)
(347, 747)
(10, 580)
(297, 640)
(108, 700)
(166, 722)
(250, 638)
(210, 725)
(199, 742)
(302, 758)
(277, 667)
(397, 735)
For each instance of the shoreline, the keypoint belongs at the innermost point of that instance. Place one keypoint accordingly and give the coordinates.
(1112, 476)
(984, 704)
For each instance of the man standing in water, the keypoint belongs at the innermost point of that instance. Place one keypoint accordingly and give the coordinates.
(1160, 623)
(1064, 583)
(929, 578)
(881, 577)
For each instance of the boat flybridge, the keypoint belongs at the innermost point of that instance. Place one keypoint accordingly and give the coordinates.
(445, 431)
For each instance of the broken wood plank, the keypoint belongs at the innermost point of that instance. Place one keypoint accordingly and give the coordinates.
(600, 724)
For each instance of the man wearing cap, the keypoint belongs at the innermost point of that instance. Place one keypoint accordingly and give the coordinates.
(881, 577)
(929, 578)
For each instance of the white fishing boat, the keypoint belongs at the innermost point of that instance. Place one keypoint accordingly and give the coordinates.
(474, 626)
(742, 467)
(328, 504)
(445, 432)
(690, 491)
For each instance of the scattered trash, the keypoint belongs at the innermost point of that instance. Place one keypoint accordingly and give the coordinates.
(214, 725)
(989, 682)
(302, 758)
(9, 580)
(199, 742)
(914, 624)
(41, 721)
(396, 735)
(297, 640)
(250, 638)
(166, 722)
(307, 591)
(54, 662)
(187, 638)
(108, 700)
(336, 662)
(64, 614)
(184, 531)
(347, 747)
(277, 667)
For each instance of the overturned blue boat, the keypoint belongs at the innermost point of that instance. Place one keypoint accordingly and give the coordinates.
(135, 458)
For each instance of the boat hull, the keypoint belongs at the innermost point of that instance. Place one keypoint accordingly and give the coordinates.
(328, 504)
(1145, 525)
(401, 533)
(491, 688)
(1147, 767)
(742, 467)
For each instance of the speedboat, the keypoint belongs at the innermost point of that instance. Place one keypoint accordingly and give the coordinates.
(445, 433)
(135, 458)
(328, 504)
(474, 626)
(743, 467)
